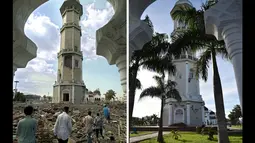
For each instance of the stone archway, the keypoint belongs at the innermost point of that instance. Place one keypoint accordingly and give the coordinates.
(24, 49)
(66, 95)
(179, 115)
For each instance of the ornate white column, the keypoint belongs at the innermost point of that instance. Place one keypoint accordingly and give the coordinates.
(224, 21)
(139, 32)
(187, 80)
(170, 121)
(111, 39)
(203, 113)
(188, 113)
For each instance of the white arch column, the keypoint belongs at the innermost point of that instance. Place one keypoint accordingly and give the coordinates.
(170, 121)
(203, 113)
(188, 113)
(224, 21)
(139, 32)
(111, 40)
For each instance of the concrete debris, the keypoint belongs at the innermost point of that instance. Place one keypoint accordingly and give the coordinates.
(46, 115)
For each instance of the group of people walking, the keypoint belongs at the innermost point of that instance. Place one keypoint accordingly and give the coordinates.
(27, 127)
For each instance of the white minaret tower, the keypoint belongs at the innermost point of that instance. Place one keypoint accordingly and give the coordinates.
(190, 109)
(69, 86)
(187, 84)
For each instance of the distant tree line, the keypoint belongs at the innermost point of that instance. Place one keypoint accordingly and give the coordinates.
(145, 121)
(234, 115)
(21, 97)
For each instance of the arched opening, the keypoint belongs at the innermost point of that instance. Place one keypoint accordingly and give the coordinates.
(29, 12)
(66, 97)
(179, 115)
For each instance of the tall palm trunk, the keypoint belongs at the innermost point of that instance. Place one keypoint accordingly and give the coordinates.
(132, 88)
(219, 103)
(160, 130)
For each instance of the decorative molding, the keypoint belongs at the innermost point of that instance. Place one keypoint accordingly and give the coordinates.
(111, 38)
(222, 14)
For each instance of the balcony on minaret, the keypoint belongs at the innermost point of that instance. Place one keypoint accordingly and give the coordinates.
(186, 56)
(69, 51)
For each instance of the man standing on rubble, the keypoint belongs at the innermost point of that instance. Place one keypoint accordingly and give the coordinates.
(99, 125)
(106, 111)
(88, 123)
(63, 126)
(26, 129)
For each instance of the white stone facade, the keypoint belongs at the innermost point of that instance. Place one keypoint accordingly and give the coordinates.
(69, 86)
(225, 21)
(210, 117)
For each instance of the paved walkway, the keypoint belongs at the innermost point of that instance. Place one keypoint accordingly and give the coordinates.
(145, 137)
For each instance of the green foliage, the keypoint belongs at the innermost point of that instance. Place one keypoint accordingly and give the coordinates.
(175, 134)
(110, 94)
(20, 97)
(235, 114)
(147, 120)
(49, 98)
(210, 131)
(198, 129)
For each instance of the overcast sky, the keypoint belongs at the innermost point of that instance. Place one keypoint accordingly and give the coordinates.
(159, 13)
(43, 27)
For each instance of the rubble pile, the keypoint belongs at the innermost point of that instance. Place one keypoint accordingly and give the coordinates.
(46, 115)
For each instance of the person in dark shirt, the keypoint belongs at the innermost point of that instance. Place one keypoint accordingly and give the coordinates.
(26, 129)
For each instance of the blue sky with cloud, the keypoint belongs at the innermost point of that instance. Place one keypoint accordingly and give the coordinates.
(43, 27)
(159, 13)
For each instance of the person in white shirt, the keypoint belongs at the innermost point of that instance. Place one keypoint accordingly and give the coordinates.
(88, 125)
(63, 126)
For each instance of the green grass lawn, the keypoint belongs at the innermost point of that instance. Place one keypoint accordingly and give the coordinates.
(192, 137)
(237, 126)
(140, 133)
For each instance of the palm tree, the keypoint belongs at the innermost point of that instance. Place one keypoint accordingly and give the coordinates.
(162, 91)
(150, 58)
(110, 94)
(196, 39)
(154, 119)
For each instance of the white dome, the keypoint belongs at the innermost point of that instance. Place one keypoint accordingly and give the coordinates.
(183, 2)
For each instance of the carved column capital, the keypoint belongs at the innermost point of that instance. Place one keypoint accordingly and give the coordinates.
(222, 14)
(139, 32)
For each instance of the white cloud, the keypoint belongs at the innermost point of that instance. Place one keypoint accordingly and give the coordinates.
(93, 20)
(40, 73)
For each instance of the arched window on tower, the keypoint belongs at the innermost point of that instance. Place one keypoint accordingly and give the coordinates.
(68, 61)
(191, 74)
(76, 63)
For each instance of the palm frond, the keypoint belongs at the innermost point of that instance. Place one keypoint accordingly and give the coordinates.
(220, 49)
(174, 93)
(202, 64)
(160, 82)
(138, 84)
(151, 92)
(185, 15)
(160, 64)
(187, 40)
